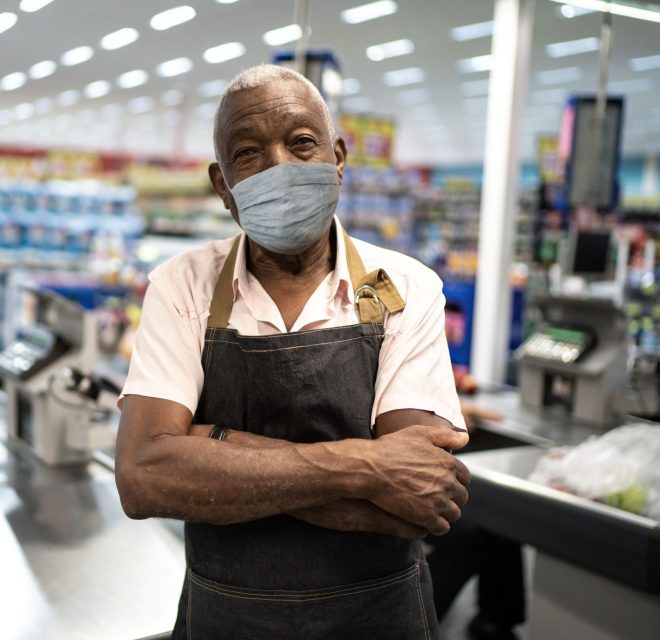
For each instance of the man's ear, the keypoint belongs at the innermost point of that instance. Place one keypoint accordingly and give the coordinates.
(340, 157)
(218, 182)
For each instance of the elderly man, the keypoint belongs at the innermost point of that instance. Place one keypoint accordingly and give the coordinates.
(290, 397)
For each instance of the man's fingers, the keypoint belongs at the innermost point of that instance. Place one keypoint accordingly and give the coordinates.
(439, 526)
(448, 438)
(460, 496)
(462, 473)
(452, 513)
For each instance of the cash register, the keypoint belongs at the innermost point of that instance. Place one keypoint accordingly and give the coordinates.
(54, 407)
(577, 356)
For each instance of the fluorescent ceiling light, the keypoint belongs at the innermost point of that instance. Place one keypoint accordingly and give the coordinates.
(475, 88)
(119, 38)
(29, 6)
(378, 52)
(369, 11)
(617, 8)
(42, 69)
(401, 77)
(24, 111)
(141, 104)
(68, 98)
(97, 89)
(559, 76)
(172, 98)
(7, 20)
(476, 64)
(44, 105)
(472, 31)
(413, 96)
(226, 1)
(224, 52)
(13, 81)
(572, 47)
(174, 67)
(331, 82)
(132, 79)
(350, 86)
(172, 17)
(76, 56)
(638, 85)
(569, 11)
(645, 63)
(280, 36)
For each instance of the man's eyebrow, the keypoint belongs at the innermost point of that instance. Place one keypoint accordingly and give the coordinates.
(297, 120)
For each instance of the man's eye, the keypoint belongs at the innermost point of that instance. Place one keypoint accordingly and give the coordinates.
(304, 140)
(244, 153)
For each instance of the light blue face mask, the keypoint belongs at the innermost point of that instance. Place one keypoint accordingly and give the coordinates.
(288, 208)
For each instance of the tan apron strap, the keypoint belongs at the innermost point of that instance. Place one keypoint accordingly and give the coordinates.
(223, 295)
(371, 289)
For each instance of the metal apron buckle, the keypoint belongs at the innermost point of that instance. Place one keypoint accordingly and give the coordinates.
(366, 289)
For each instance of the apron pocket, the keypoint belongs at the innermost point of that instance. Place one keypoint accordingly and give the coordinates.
(396, 607)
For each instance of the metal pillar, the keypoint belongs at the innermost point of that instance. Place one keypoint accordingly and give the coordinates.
(507, 93)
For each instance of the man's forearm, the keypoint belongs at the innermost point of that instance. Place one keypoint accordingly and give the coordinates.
(163, 471)
(359, 515)
(236, 480)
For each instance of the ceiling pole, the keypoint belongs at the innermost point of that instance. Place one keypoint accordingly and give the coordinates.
(601, 106)
(301, 18)
(511, 47)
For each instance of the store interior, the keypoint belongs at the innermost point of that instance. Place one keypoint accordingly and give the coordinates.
(512, 146)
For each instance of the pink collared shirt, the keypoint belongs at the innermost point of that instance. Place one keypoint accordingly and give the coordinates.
(414, 370)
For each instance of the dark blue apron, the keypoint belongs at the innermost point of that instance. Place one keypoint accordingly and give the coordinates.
(278, 577)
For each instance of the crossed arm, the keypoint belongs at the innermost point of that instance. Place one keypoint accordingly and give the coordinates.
(402, 483)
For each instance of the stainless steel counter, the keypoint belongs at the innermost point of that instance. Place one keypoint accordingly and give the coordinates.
(619, 545)
(74, 567)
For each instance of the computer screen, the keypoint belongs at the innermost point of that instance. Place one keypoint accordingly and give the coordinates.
(590, 253)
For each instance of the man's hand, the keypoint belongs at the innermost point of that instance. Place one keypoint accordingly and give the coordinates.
(416, 479)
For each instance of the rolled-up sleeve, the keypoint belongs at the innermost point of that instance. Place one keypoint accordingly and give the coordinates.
(414, 369)
(166, 359)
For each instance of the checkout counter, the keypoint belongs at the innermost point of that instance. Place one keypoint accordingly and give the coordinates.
(75, 567)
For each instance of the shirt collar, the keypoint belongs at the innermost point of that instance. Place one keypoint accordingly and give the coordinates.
(340, 280)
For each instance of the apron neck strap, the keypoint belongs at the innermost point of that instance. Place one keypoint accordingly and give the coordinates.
(223, 294)
(370, 289)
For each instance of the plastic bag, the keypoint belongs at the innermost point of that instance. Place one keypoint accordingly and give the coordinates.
(620, 468)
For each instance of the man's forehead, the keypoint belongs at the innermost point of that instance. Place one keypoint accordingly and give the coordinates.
(269, 97)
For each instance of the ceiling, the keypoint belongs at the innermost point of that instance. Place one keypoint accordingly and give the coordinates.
(441, 124)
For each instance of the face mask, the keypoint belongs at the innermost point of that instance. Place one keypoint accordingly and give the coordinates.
(288, 208)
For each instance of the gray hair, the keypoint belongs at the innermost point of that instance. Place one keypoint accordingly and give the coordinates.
(258, 76)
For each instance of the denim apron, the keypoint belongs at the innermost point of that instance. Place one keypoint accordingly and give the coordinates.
(279, 578)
